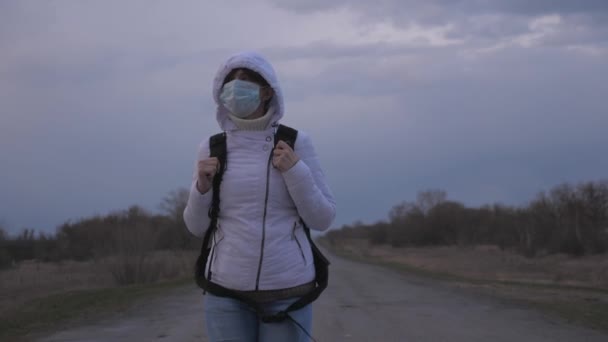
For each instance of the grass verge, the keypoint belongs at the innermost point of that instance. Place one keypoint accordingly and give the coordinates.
(57, 310)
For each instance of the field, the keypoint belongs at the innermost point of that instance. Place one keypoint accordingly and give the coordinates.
(35, 294)
(490, 263)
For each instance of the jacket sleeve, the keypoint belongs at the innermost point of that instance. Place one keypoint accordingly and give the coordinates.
(196, 214)
(307, 186)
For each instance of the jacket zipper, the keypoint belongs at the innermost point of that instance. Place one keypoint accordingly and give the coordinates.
(298, 242)
(257, 280)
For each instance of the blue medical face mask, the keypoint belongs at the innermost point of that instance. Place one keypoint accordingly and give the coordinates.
(241, 98)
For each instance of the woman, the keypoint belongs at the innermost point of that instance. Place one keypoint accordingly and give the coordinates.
(268, 195)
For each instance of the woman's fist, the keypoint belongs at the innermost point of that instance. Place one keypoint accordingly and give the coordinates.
(207, 169)
(284, 158)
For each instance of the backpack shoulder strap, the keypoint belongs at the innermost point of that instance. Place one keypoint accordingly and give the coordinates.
(217, 149)
(287, 134)
(217, 145)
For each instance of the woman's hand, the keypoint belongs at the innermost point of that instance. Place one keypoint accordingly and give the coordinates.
(284, 158)
(207, 169)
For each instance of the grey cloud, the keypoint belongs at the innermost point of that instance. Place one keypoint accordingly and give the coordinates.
(524, 7)
(477, 21)
(539, 7)
(329, 50)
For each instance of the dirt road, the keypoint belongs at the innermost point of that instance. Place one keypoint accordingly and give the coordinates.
(363, 303)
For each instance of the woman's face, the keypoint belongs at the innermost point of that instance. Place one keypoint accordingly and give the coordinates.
(242, 74)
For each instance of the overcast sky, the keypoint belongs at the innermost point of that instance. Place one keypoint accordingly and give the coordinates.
(103, 103)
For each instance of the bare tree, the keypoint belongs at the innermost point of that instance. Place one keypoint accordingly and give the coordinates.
(133, 242)
(176, 234)
(5, 258)
(3, 233)
(174, 203)
(428, 199)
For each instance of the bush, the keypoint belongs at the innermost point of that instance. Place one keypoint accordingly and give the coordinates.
(569, 219)
(5, 259)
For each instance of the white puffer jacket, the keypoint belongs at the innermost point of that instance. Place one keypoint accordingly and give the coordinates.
(253, 251)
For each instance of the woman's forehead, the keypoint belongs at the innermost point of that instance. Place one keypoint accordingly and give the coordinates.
(245, 71)
(254, 76)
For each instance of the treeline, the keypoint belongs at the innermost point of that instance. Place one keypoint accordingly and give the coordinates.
(570, 219)
(132, 231)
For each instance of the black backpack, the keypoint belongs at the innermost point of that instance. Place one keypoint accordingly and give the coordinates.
(217, 147)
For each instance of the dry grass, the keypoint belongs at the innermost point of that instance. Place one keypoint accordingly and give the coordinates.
(32, 280)
(490, 263)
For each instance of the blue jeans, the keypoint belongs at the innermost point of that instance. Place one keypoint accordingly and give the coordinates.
(229, 319)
